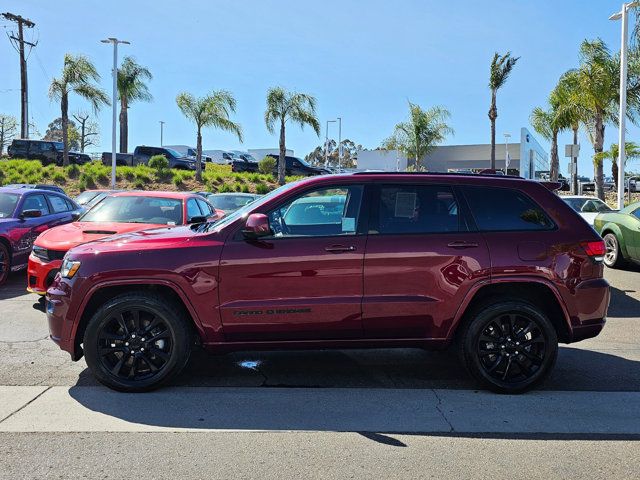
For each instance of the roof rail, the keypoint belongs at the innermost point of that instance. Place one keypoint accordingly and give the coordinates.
(492, 175)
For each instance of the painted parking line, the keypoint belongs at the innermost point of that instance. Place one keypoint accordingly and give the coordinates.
(97, 409)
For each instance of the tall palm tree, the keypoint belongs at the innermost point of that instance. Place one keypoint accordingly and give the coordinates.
(567, 100)
(212, 110)
(131, 88)
(283, 106)
(545, 122)
(501, 67)
(78, 75)
(420, 133)
(596, 96)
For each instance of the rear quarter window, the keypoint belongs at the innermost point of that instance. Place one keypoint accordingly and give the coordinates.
(505, 209)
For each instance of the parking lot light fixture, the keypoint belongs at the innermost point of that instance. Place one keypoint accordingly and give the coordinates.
(114, 100)
(623, 15)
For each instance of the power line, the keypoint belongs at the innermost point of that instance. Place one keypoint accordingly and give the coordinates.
(20, 42)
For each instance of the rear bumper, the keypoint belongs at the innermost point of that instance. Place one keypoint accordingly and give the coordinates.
(587, 330)
(40, 274)
(590, 304)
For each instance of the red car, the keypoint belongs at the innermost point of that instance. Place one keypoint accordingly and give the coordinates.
(498, 267)
(122, 212)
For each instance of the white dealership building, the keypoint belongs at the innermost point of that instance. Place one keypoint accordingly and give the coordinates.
(526, 158)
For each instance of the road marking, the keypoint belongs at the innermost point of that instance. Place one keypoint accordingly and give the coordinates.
(97, 409)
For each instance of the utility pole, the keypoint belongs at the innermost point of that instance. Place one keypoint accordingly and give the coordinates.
(339, 144)
(24, 91)
(161, 131)
(326, 144)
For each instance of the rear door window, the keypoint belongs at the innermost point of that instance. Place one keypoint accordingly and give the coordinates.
(505, 209)
(58, 204)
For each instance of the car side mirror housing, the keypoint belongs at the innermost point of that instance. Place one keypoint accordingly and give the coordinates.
(198, 219)
(256, 226)
(31, 214)
(75, 216)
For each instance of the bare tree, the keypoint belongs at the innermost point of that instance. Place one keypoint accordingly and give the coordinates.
(8, 130)
(88, 130)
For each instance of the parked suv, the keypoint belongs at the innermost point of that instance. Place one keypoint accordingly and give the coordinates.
(142, 154)
(46, 151)
(499, 268)
(297, 166)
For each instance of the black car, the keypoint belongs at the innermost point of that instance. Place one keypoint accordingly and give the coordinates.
(142, 154)
(44, 150)
(38, 186)
(299, 167)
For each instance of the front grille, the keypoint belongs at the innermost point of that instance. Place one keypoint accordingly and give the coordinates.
(48, 255)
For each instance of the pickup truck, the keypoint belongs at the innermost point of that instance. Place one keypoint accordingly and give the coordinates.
(142, 154)
(294, 166)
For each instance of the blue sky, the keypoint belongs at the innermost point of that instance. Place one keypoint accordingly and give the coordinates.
(362, 60)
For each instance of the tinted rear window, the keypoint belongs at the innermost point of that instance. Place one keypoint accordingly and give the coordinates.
(505, 209)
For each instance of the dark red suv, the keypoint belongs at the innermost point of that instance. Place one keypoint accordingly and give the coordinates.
(498, 267)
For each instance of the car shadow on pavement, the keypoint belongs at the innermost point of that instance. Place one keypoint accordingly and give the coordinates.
(343, 391)
(622, 304)
(15, 286)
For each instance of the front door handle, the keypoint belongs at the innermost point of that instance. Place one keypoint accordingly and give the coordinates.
(340, 248)
(462, 245)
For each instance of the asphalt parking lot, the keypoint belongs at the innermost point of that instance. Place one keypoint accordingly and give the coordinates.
(392, 413)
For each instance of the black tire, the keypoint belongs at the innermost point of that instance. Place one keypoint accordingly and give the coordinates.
(117, 351)
(509, 346)
(5, 263)
(613, 257)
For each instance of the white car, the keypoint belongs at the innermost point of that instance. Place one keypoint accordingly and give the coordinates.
(587, 207)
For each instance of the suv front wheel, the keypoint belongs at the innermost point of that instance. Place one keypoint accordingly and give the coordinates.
(135, 342)
(510, 346)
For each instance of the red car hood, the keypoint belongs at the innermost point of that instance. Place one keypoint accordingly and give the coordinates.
(70, 235)
(157, 238)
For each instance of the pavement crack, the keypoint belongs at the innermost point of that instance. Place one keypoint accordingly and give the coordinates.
(26, 404)
(440, 411)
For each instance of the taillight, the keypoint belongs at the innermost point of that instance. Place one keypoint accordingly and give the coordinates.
(594, 249)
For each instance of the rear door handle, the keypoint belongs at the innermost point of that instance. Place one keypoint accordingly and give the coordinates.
(462, 245)
(340, 248)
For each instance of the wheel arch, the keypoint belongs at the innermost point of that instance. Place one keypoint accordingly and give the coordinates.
(105, 291)
(533, 290)
(615, 229)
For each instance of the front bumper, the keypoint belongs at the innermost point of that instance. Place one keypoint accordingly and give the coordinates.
(41, 273)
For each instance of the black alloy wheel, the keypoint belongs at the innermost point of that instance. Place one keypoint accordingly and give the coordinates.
(5, 263)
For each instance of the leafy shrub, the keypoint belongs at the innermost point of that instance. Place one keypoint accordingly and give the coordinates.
(262, 188)
(87, 179)
(139, 184)
(245, 188)
(267, 165)
(225, 188)
(159, 163)
(59, 177)
(73, 170)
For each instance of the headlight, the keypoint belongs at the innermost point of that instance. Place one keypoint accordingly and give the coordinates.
(40, 253)
(69, 268)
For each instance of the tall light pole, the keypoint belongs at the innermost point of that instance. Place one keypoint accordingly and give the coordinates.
(326, 143)
(339, 144)
(161, 131)
(507, 136)
(114, 101)
(622, 14)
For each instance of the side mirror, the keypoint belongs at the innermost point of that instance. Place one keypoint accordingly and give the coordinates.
(198, 219)
(256, 226)
(31, 213)
(75, 216)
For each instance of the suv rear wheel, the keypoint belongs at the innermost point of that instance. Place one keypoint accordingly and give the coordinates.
(510, 346)
(136, 342)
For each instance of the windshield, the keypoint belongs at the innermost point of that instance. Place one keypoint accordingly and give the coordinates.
(229, 202)
(587, 205)
(134, 209)
(8, 202)
(232, 217)
(86, 197)
(173, 153)
(303, 162)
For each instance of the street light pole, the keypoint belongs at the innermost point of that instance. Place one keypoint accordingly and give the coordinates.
(339, 144)
(326, 143)
(507, 136)
(161, 131)
(623, 97)
(114, 100)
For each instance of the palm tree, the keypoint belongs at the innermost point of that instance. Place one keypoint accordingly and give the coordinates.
(131, 88)
(545, 123)
(283, 106)
(78, 75)
(501, 67)
(566, 98)
(420, 133)
(632, 152)
(212, 110)
(595, 95)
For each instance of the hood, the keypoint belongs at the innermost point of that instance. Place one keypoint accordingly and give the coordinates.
(158, 238)
(70, 235)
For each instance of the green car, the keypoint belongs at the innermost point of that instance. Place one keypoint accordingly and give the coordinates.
(621, 234)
